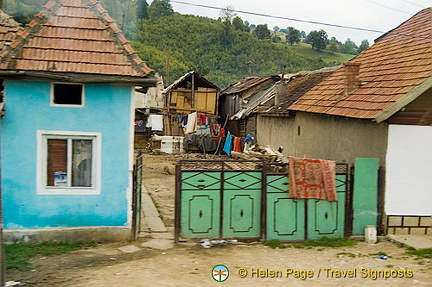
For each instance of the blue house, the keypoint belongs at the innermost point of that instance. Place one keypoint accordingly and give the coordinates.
(67, 131)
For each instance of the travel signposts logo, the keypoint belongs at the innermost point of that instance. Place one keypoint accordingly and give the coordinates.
(220, 273)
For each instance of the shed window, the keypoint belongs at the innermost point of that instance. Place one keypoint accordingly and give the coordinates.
(68, 94)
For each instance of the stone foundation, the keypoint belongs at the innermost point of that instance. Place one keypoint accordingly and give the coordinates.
(83, 234)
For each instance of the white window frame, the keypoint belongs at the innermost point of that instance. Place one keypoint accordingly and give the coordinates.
(67, 105)
(42, 157)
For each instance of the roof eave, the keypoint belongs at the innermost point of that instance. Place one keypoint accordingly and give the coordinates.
(408, 98)
(148, 81)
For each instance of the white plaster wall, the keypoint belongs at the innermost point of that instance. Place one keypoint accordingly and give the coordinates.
(409, 170)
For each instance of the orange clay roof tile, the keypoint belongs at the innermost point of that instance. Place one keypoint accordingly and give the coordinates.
(74, 36)
(389, 69)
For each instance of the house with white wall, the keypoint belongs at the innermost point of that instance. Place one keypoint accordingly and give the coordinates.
(377, 105)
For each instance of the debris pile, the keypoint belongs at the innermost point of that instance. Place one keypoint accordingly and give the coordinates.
(270, 156)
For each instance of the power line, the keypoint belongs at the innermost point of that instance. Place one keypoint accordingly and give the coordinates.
(412, 3)
(300, 20)
(283, 18)
(391, 8)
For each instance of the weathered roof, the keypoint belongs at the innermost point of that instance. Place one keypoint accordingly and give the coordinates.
(245, 84)
(262, 97)
(8, 28)
(393, 72)
(74, 36)
(299, 84)
(199, 81)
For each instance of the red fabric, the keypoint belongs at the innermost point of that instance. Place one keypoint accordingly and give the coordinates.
(237, 144)
(312, 178)
(222, 133)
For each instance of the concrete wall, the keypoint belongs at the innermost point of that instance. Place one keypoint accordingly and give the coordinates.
(324, 137)
(107, 111)
(409, 166)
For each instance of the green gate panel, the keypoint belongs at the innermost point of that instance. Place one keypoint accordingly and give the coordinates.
(325, 218)
(277, 183)
(242, 180)
(285, 217)
(241, 213)
(200, 214)
(365, 196)
(201, 180)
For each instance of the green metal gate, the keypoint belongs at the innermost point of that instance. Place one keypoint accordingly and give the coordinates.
(242, 199)
(219, 199)
(293, 219)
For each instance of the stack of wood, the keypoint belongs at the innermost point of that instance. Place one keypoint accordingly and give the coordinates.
(276, 160)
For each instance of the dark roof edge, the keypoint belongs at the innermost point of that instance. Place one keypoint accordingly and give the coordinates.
(405, 100)
(149, 81)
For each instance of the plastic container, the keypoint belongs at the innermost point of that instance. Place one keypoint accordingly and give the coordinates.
(172, 144)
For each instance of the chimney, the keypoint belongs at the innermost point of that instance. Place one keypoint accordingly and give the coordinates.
(352, 80)
(281, 91)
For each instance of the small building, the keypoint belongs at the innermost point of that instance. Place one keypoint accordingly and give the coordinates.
(238, 102)
(378, 105)
(67, 132)
(190, 93)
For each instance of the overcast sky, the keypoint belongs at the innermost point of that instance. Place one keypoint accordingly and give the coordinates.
(381, 15)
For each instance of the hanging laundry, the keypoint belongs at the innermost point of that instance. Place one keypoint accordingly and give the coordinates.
(228, 144)
(215, 130)
(222, 132)
(237, 144)
(202, 119)
(191, 125)
(248, 142)
(312, 178)
(155, 122)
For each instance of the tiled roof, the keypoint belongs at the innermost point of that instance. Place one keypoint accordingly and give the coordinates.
(298, 85)
(391, 69)
(245, 84)
(74, 36)
(8, 28)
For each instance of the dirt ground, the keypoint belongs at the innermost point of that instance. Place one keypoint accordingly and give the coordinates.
(189, 264)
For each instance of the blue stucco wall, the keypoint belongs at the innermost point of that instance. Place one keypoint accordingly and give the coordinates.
(107, 110)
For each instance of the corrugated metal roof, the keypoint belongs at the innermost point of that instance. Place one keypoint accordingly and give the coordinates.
(74, 36)
(245, 84)
(398, 62)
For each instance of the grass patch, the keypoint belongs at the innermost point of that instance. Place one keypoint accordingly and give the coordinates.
(274, 243)
(327, 242)
(18, 255)
(420, 253)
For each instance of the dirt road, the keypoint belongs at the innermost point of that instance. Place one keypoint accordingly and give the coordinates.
(249, 265)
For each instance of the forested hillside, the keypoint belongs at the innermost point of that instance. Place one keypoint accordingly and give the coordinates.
(223, 50)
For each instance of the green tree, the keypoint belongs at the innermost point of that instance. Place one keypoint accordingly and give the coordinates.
(262, 32)
(333, 47)
(142, 9)
(349, 47)
(160, 8)
(293, 36)
(276, 39)
(363, 46)
(227, 14)
(276, 28)
(237, 23)
(317, 39)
